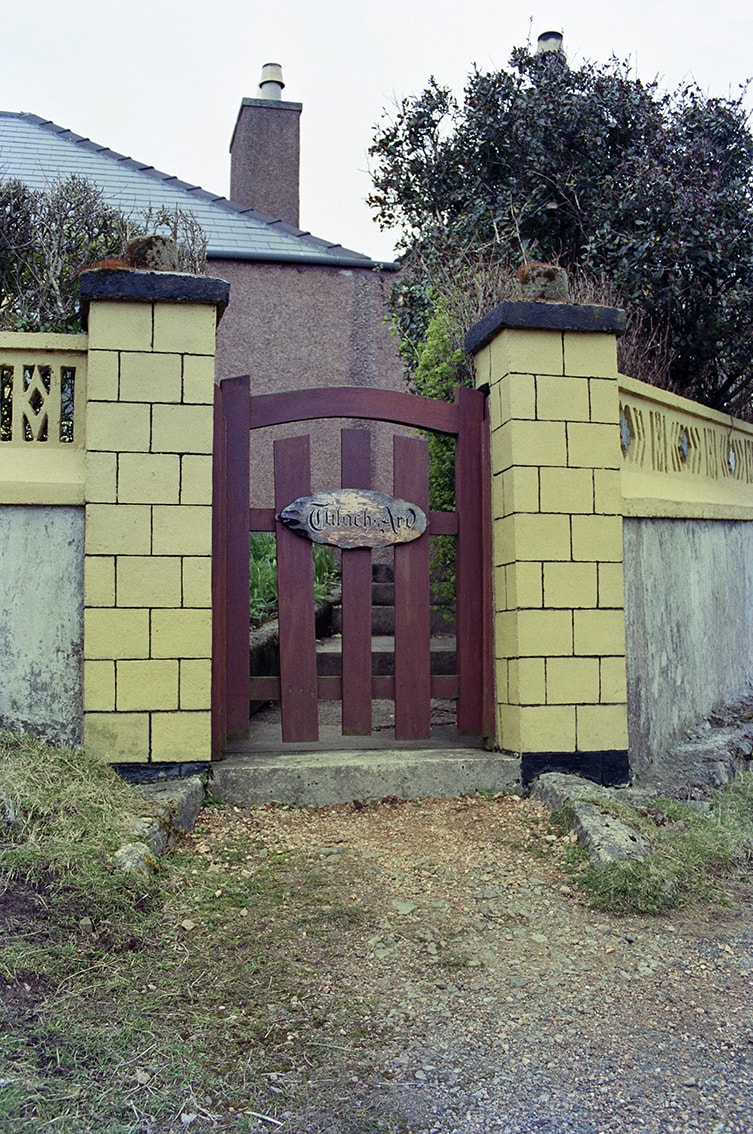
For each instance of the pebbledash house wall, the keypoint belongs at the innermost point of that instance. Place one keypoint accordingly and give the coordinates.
(623, 546)
(622, 536)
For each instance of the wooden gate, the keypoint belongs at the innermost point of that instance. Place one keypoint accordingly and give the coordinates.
(297, 687)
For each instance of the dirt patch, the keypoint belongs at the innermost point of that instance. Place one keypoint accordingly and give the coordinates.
(493, 997)
(422, 967)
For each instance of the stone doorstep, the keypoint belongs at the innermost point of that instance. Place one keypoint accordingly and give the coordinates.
(342, 776)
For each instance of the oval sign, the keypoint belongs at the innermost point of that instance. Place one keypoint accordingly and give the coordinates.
(354, 518)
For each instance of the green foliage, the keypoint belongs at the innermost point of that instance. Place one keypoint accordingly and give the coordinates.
(593, 169)
(48, 236)
(263, 575)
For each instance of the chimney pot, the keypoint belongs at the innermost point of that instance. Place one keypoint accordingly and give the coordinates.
(550, 41)
(271, 81)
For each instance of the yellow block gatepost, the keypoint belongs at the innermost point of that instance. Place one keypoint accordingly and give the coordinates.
(148, 497)
(559, 622)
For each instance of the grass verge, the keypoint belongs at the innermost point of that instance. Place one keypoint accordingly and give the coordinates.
(197, 998)
(699, 851)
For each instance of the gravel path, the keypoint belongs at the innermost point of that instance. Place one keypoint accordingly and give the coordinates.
(494, 1000)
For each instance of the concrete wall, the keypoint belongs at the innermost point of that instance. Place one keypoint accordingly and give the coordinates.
(689, 624)
(41, 620)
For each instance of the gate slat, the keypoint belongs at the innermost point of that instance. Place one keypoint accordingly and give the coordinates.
(355, 460)
(412, 599)
(295, 591)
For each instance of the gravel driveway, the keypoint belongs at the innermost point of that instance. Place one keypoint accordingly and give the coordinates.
(493, 999)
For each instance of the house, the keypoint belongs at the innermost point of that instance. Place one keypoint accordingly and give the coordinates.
(303, 311)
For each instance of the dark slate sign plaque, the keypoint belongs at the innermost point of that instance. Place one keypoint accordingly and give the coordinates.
(354, 518)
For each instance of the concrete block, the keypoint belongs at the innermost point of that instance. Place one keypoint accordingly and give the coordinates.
(517, 351)
(120, 326)
(605, 400)
(149, 581)
(118, 427)
(182, 530)
(524, 588)
(118, 738)
(181, 634)
(99, 686)
(499, 580)
(593, 445)
(608, 500)
(545, 633)
(196, 683)
(562, 398)
(611, 585)
(181, 736)
(597, 538)
(613, 680)
(547, 728)
(102, 375)
(541, 536)
(567, 490)
(592, 355)
(148, 478)
(149, 684)
(517, 397)
(198, 379)
(181, 429)
(147, 377)
(185, 328)
(601, 727)
(118, 529)
(101, 478)
(509, 727)
(530, 443)
(572, 681)
(99, 580)
(196, 479)
(197, 581)
(520, 490)
(527, 681)
(570, 585)
(599, 633)
(114, 633)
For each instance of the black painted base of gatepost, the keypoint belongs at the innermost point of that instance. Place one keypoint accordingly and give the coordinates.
(608, 768)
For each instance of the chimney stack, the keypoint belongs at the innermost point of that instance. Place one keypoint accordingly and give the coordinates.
(265, 150)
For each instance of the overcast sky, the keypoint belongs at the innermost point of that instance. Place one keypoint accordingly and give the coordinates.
(161, 80)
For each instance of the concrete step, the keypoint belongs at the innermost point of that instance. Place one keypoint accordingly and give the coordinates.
(323, 777)
(383, 621)
(329, 655)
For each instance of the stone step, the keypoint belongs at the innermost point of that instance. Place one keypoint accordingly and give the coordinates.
(383, 621)
(329, 656)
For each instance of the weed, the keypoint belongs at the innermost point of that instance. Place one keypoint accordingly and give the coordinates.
(263, 574)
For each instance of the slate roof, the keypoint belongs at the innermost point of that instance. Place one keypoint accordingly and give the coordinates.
(37, 152)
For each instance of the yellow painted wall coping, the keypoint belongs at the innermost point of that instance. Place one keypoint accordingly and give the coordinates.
(43, 343)
(37, 475)
(633, 388)
(699, 484)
